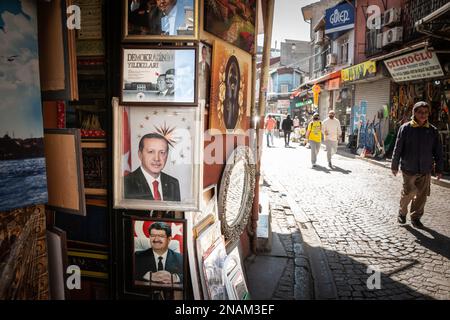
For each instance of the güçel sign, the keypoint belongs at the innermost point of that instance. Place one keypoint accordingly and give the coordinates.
(415, 65)
(339, 18)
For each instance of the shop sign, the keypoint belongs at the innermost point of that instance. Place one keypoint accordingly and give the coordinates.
(339, 18)
(283, 104)
(303, 103)
(334, 84)
(415, 65)
(361, 71)
(316, 88)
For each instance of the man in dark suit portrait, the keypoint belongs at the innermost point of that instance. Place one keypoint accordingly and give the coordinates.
(204, 75)
(148, 182)
(159, 262)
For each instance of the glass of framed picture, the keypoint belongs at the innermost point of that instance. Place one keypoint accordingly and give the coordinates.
(166, 20)
(241, 32)
(94, 167)
(159, 75)
(204, 73)
(159, 255)
(157, 158)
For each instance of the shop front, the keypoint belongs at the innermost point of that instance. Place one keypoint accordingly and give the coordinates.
(367, 90)
(419, 76)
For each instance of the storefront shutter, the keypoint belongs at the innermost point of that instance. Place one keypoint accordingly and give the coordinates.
(376, 94)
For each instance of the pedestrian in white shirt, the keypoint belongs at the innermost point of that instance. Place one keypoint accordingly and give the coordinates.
(331, 128)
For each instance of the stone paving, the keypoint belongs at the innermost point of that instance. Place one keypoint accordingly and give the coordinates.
(353, 210)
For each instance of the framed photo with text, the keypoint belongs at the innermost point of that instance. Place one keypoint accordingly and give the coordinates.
(159, 75)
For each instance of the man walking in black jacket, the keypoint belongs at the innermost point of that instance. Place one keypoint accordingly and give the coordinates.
(418, 148)
(286, 126)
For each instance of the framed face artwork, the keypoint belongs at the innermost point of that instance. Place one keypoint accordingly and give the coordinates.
(160, 20)
(157, 75)
(157, 158)
(232, 21)
(204, 73)
(230, 90)
(159, 254)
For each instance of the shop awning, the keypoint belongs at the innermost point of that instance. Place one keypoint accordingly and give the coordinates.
(328, 76)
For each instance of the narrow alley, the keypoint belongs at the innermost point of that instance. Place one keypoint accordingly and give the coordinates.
(353, 210)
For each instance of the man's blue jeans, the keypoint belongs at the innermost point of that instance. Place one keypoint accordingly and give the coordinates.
(269, 133)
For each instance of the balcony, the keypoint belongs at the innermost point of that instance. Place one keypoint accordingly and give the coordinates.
(414, 11)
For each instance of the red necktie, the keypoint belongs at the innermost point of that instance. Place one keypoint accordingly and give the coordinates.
(156, 195)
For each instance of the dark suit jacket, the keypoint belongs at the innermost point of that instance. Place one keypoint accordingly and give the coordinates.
(136, 187)
(145, 262)
(154, 21)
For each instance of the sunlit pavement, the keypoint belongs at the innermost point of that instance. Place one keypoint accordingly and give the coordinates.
(353, 210)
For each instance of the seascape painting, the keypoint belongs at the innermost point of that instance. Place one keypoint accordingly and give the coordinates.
(22, 163)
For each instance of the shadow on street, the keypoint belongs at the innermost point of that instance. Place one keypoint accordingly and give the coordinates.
(343, 171)
(320, 168)
(437, 243)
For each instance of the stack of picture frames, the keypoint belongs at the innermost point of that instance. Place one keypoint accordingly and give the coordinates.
(173, 246)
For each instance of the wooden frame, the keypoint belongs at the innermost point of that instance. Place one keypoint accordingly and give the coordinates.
(234, 273)
(139, 236)
(213, 264)
(233, 22)
(146, 28)
(203, 243)
(94, 166)
(144, 68)
(196, 223)
(65, 178)
(204, 74)
(57, 52)
(183, 167)
(230, 97)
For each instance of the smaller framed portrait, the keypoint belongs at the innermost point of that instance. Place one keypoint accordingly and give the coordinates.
(159, 254)
(234, 274)
(213, 268)
(157, 158)
(94, 168)
(158, 75)
(164, 20)
(204, 73)
(196, 223)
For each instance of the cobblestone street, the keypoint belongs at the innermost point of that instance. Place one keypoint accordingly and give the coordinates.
(353, 209)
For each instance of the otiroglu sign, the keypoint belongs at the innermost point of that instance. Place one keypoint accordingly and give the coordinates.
(415, 65)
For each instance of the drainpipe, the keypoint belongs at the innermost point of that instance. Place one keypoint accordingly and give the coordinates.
(263, 80)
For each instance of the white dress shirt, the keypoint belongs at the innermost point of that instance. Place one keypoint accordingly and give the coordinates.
(164, 258)
(150, 180)
(168, 21)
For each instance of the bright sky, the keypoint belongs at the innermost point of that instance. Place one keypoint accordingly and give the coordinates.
(288, 21)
